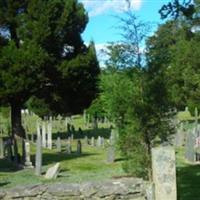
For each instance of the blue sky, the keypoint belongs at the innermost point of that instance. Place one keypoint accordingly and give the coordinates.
(102, 23)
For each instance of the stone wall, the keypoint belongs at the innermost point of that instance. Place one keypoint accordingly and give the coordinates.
(125, 188)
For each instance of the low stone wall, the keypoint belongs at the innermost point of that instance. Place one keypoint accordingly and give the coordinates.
(125, 188)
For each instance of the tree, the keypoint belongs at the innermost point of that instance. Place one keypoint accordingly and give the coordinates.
(41, 45)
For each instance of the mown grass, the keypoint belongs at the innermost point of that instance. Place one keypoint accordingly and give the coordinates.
(188, 178)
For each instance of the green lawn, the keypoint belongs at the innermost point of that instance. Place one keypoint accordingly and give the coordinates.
(188, 178)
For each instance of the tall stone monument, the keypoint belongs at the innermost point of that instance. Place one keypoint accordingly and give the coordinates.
(164, 173)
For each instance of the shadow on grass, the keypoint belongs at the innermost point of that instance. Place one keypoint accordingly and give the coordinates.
(4, 183)
(49, 158)
(188, 182)
(103, 132)
(6, 166)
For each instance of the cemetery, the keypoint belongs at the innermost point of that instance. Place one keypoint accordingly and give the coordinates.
(115, 117)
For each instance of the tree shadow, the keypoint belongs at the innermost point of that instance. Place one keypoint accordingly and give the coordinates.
(7, 166)
(188, 182)
(4, 183)
(49, 158)
(80, 134)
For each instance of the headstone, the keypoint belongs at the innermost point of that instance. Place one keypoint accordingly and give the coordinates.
(92, 141)
(58, 144)
(99, 141)
(180, 138)
(44, 135)
(32, 137)
(49, 135)
(79, 147)
(53, 172)
(86, 140)
(111, 154)
(69, 146)
(164, 173)
(1, 148)
(27, 163)
(196, 116)
(72, 137)
(190, 154)
(102, 142)
(38, 157)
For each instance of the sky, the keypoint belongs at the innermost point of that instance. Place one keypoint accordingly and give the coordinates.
(103, 21)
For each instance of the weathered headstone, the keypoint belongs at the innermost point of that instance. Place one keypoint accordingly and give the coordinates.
(49, 135)
(69, 146)
(44, 143)
(53, 172)
(92, 141)
(32, 137)
(58, 144)
(190, 154)
(99, 141)
(38, 157)
(86, 140)
(79, 147)
(164, 173)
(180, 138)
(72, 137)
(27, 163)
(1, 148)
(111, 154)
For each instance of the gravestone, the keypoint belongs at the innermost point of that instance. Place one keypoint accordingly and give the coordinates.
(180, 138)
(1, 148)
(27, 163)
(44, 143)
(49, 135)
(58, 144)
(38, 157)
(190, 154)
(79, 147)
(86, 140)
(164, 173)
(32, 137)
(53, 172)
(99, 141)
(69, 146)
(111, 154)
(72, 137)
(92, 141)
(103, 142)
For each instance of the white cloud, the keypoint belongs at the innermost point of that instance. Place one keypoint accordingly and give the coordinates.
(98, 7)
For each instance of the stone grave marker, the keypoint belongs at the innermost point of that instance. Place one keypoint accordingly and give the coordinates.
(1, 148)
(27, 163)
(58, 144)
(180, 138)
(38, 157)
(49, 135)
(190, 154)
(92, 141)
(69, 146)
(44, 143)
(111, 154)
(79, 147)
(164, 173)
(86, 140)
(53, 172)
(99, 141)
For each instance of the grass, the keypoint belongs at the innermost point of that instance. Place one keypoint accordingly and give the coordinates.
(188, 178)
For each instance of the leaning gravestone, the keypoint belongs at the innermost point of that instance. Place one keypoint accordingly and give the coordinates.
(1, 148)
(38, 157)
(164, 173)
(190, 154)
(53, 172)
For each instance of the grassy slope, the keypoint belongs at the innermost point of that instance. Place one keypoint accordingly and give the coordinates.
(91, 165)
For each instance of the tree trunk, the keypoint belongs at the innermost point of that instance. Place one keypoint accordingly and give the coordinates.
(17, 129)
